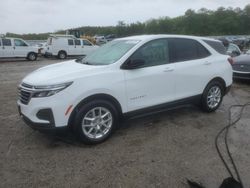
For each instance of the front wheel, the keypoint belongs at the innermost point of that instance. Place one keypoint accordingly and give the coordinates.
(212, 96)
(62, 55)
(32, 56)
(95, 121)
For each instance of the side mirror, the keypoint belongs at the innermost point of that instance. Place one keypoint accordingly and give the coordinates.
(133, 64)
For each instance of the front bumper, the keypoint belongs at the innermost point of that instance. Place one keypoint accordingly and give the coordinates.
(46, 115)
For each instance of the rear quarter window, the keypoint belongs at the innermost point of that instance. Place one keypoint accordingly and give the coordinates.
(217, 46)
(181, 49)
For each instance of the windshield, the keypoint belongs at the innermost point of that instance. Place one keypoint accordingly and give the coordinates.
(109, 53)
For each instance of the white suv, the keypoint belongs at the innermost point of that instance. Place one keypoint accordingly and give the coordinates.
(15, 47)
(126, 77)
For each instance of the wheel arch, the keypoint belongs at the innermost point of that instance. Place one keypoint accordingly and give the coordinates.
(101, 96)
(64, 51)
(218, 79)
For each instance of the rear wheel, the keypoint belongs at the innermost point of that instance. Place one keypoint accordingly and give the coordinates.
(62, 55)
(95, 121)
(212, 96)
(32, 56)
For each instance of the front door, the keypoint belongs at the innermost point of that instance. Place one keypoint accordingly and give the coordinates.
(154, 82)
(20, 48)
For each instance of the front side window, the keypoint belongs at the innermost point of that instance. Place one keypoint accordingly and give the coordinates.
(6, 42)
(153, 53)
(70, 42)
(0, 42)
(77, 42)
(110, 52)
(18, 42)
(186, 49)
(86, 43)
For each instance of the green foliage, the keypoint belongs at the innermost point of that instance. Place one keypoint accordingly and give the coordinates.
(204, 22)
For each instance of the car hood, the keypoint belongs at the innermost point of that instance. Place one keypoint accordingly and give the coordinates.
(60, 73)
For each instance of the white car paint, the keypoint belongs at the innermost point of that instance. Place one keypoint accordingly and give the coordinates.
(133, 89)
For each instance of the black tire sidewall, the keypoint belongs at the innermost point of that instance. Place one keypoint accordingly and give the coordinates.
(61, 52)
(32, 53)
(204, 104)
(77, 128)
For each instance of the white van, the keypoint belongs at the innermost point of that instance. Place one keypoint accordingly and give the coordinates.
(68, 45)
(16, 47)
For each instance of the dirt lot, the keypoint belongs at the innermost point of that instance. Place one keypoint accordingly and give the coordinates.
(157, 151)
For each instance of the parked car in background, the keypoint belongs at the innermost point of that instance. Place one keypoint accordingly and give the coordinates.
(17, 48)
(100, 39)
(62, 46)
(233, 50)
(110, 37)
(241, 67)
(125, 77)
(41, 47)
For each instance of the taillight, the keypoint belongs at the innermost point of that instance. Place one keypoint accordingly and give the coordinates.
(230, 60)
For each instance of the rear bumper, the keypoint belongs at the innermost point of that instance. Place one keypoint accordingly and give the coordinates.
(241, 75)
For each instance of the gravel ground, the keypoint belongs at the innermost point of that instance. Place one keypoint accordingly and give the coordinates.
(155, 151)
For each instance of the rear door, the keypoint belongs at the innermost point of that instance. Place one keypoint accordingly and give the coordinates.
(193, 66)
(78, 47)
(71, 47)
(8, 48)
(20, 48)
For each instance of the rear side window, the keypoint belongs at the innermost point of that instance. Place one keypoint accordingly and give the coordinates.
(6, 42)
(186, 49)
(70, 42)
(77, 42)
(217, 46)
(0, 42)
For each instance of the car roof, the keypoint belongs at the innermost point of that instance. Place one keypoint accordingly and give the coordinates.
(150, 37)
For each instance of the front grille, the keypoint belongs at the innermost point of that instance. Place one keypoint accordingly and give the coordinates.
(241, 67)
(25, 93)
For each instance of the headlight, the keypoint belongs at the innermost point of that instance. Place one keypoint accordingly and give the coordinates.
(49, 90)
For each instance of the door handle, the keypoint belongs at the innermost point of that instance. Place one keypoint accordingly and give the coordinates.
(168, 69)
(14, 47)
(207, 63)
(3, 47)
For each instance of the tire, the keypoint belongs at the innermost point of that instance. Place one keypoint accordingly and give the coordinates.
(62, 55)
(212, 96)
(32, 56)
(90, 127)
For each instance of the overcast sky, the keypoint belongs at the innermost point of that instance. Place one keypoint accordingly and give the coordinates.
(37, 16)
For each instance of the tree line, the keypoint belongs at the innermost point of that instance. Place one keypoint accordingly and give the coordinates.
(204, 22)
